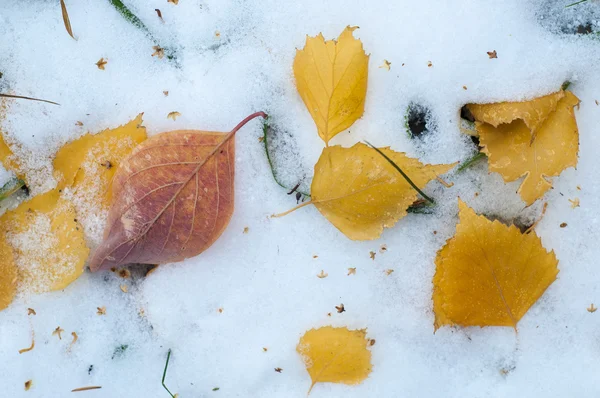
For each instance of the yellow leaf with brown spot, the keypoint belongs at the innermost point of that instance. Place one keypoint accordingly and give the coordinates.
(88, 164)
(361, 193)
(335, 355)
(8, 272)
(533, 112)
(331, 77)
(48, 243)
(489, 274)
(513, 154)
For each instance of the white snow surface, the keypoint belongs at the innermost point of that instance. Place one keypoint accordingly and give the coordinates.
(264, 281)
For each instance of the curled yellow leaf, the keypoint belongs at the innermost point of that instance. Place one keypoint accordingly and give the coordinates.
(335, 355)
(513, 153)
(361, 193)
(331, 77)
(489, 274)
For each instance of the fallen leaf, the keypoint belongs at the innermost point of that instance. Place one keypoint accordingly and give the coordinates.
(574, 203)
(246, 230)
(101, 310)
(386, 64)
(563, 225)
(173, 1)
(87, 165)
(78, 123)
(47, 242)
(159, 14)
(335, 355)
(166, 93)
(361, 193)
(28, 384)
(513, 154)
(351, 271)
(489, 274)
(158, 52)
(492, 54)
(66, 19)
(57, 332)
(591, 308)
(30, 311)
(372, 255)
(173, 115)
(331, 77)
(124, 288)
(322, 275)
(172, 198)
(278, 370)
(100, 64)
(388, 272)
(265, 349)
(340, 308)
(429, 64)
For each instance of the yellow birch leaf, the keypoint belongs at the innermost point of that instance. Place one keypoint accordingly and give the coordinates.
(88, 164)
(533, 112)
(47, 241)
(512, 153)
(335, 355)
(489, 274)
(331, 77)
(8, 273)
(360, 192)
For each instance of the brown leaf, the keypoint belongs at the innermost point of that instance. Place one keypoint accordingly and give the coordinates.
(173, 1)
(124, 288)
(322, 275)
(159, 14)
(31, 311)
(591, 308)
(340, 308)
(492, 54)
(158, 51)
(166, 93)
(351, 271)
(172, 198)
(173, 115)
(58, 331)
(372, 255)
(66, 20)
(100, 64)
(101, 310)
(28, 384)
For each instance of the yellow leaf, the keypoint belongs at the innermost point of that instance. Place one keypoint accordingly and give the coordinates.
(335, 355)
(88, 164)
(489, 274)
(533, 112)
(512, 153)
(331, 78)
(47, 241)
(8, 273)
(360, 192)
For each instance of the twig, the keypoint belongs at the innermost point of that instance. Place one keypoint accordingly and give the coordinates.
(401, 172)
(86, 388)
(27, 98)
(165, 374)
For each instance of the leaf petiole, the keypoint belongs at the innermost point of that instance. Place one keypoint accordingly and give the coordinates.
(401, 172)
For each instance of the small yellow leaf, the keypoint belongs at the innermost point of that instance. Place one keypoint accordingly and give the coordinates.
(88, 164)
(335, 355)
(47, 241)
(533, 112)
(361, 193)
(513, 154)
(489, 274)
(331, 77)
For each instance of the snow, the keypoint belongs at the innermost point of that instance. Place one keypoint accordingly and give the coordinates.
(264, 281)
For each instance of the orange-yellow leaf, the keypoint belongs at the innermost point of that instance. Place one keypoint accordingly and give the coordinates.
(489, 274)
(47, 241)
(331, 77)
(88, 164)
(361, 193)
(513, 154)
(335, 355)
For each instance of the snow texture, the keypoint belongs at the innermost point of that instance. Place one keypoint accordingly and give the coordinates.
(259, 289)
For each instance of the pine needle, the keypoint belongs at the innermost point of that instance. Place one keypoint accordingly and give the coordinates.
(66, 19)
(27, 98)
(165, 374)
